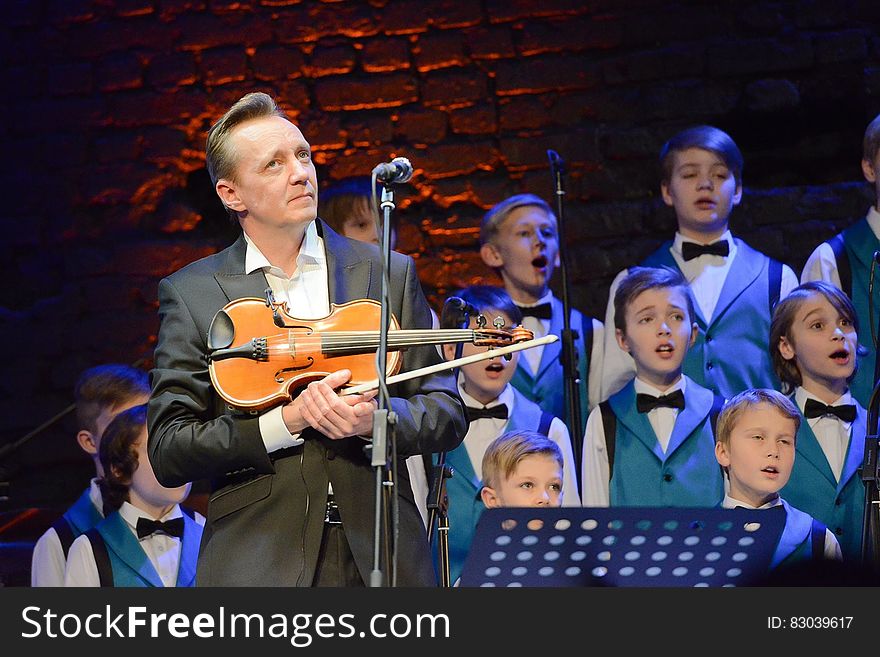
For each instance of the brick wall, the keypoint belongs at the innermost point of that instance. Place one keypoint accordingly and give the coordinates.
(108, 103)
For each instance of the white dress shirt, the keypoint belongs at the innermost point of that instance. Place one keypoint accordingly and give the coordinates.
(705, 275)
(832, 433)
(47, 560)
(162, 550)
(832, 547)
(307, 295)
(595, 469)
(822, 265)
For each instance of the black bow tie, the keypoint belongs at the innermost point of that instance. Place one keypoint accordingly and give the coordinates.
(541, 311)
(674, 399)
(499, 411)
(173, 527)
(690, 250)
(813, 408)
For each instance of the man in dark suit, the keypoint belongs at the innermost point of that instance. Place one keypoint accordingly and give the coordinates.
(292, 501)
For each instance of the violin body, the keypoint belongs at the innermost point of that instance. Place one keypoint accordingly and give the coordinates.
(261, 364)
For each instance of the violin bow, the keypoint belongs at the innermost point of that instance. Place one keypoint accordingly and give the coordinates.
(449, 364)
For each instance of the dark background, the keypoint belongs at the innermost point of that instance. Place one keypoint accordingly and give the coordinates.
(107, 104)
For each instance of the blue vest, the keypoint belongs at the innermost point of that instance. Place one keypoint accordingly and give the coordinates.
(813, 488)
(795, 544)
(130, 564)
(547, 387)
(82, 515)
(686, 475)
(463, 488)
(860, 243)
(731, 354)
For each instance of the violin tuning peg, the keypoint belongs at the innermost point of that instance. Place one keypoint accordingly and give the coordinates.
(481, 321)
(498, 322)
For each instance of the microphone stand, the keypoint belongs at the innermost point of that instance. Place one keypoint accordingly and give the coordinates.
(384, 418)
(870, 471)
(569, 353)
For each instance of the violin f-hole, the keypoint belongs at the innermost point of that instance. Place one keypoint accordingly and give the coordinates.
(279, 378)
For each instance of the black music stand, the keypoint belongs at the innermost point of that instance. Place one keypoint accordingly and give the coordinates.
(624, 546)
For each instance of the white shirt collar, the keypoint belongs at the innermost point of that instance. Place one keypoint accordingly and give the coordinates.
(801, 396)
(644, 388)
(131, 513)
(547, 298)
(311, 251)
(731, 503)
(506, 397)
(873, 219)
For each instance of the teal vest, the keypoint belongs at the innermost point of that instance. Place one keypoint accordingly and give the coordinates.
(860, 243)
(463, 488)
(130, 564)
(731, 354)
(686, 475)
(547, 387)
(813, 489)
(795, 544)
(82, 515)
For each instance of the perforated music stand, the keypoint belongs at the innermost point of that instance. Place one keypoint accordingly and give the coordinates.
(624, 546)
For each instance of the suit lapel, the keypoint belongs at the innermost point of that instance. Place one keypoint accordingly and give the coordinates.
(189, 552)
(623, 404)
(743, 271)
(551, 352)
(129, 551)
(462, 466)
(233, 280)
(809, 449)
(349, 275)
(698, 403)
(855, 453)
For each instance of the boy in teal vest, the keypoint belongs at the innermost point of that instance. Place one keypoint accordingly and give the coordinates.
(651, 443)
(522, 468)
(815, 349)
(145, 540)
(845, 261)
(100, 393)
(494, 407)
(519, 240)
(757, 432)
(734, 286)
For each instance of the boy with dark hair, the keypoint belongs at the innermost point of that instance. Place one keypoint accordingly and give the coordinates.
(100, 393)
(734, 286)
(519, 240)
(651, 443)
(845, 261)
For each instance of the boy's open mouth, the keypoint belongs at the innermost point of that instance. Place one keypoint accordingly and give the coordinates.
(770, 469)
(540, 262)
(841, 355)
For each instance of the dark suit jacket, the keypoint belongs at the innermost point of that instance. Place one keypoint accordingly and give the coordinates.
(265, 515)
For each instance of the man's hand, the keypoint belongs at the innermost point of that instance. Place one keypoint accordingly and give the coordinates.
(336, 416)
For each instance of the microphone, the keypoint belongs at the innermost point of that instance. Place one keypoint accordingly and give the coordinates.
(399, 170)
(454, 313)
(556, 162)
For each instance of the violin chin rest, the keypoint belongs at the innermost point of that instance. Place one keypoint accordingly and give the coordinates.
(222, 331)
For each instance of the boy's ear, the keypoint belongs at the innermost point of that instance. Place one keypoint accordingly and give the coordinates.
(695, 331)
(87, 442)
(490, 256)
(868, 171)
(721, 455)
(786, 348)
(227, 193)
(490, 499)
(664, 192)
(738, 194)
(621, 340)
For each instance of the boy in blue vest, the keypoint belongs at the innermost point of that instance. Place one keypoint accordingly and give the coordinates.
(651, 443)
(145, 539)
(522, 468)
(757, 432)
(100, 393)
(845, 261)
(734, 286)
(519, 240)
(815, 347)
(494, 407)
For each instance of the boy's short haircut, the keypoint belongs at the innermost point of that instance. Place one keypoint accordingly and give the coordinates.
(505, 452)
(119, 456)
(640, 279)
(708, 138)
(871, 142)
(106, 387)
(783, 318)
(499, 212)
(485, 298)
(735, 407)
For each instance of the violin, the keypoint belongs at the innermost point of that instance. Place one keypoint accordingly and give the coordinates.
(259, 353)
